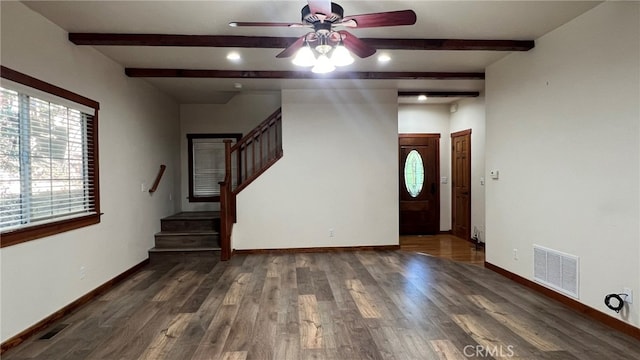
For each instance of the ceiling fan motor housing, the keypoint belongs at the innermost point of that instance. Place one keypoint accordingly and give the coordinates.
(337, 12)
(323, 34)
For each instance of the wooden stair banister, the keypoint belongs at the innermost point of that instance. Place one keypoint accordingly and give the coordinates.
(252, 155)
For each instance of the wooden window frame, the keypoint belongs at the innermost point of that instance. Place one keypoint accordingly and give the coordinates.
(28, 233)
(190, 138)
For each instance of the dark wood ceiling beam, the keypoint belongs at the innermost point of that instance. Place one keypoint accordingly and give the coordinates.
(269, 42)
(439, 93)
(452, 44)
(99, 39)
(239, 74)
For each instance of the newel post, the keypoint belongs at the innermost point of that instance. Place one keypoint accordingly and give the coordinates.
(226, 214)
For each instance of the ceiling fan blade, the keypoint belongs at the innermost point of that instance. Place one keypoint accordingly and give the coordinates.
(269, 24)
(391, 18)
(356, 45)
(288, 52)
(320, 6)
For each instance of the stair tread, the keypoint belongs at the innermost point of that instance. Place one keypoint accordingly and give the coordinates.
(187, 233)
(184, 249)
(194, 215)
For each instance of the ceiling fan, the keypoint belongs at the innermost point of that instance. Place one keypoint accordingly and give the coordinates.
(323, 16)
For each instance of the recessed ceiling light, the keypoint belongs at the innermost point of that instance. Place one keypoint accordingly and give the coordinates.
(422, 98)
(384, 58)
(237, 86)
(233, 56)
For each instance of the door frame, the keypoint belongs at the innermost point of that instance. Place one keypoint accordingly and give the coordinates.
(401, 169)
(453, 135)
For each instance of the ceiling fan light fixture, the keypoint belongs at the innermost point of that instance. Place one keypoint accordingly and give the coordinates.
(304, 57)
(322, 16)
(323, 65)
(341, 56)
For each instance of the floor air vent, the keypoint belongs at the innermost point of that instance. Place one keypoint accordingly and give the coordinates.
(556, 270)
(53, 332)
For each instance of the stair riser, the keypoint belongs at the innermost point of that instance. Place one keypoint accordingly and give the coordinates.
(182, 241)
(189, 225)
(165, 256)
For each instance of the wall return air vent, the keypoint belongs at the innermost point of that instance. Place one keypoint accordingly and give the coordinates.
(556, 270)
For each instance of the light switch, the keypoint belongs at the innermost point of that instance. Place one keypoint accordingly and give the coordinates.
(444, 180)
(481, 181)
(495, 174)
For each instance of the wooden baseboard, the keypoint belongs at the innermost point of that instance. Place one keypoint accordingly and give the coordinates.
(572, 303)
(317, 249)
(42, 324)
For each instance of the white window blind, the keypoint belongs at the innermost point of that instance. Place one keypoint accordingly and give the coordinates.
(208, 166)
(46, 162)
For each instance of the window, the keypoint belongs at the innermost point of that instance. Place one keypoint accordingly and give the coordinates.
(48, 159)
(414, 173)
(206, 165)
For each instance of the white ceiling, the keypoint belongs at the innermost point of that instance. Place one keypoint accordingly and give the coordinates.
(495, 20)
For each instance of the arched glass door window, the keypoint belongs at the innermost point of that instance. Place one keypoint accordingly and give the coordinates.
(414, 173)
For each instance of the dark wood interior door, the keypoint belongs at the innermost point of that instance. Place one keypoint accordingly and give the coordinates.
(419, 185)
(461, 184)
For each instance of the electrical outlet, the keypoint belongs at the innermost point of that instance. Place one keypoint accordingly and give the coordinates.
(143, 187)
(515, 254)
(629, 297)
(83, 272)
(331, 233)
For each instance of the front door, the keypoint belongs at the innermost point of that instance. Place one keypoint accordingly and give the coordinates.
(461, 184)
(419, 185)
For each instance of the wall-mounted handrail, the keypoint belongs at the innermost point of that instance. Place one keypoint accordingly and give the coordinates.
(157, 182)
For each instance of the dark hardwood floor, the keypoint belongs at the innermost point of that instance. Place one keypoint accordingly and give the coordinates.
(444, 246)
(346, 305)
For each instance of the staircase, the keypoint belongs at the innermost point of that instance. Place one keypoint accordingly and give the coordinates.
(188, 233)
(209, 232)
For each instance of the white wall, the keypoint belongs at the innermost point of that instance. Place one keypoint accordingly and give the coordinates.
(471, 115)
(339, 171)
(240, 115)
(563, 128)
(424, 119)
(137, 130)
